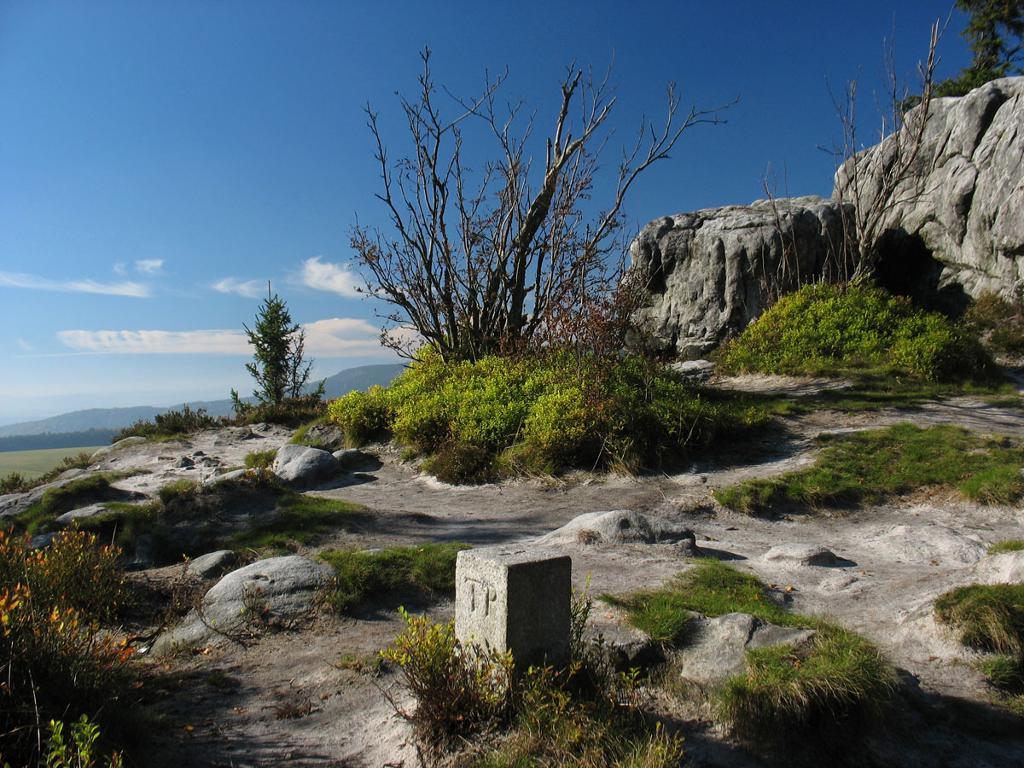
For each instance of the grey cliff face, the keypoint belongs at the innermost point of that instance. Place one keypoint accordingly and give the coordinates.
(965, 200)
(713, 271)
(954, 229)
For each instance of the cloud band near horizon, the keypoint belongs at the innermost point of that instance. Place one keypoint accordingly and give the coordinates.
(331, 337)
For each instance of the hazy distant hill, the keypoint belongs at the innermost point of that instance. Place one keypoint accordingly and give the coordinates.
(111, 419)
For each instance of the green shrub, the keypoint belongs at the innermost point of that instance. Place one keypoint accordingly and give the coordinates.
(824, 328)
(998, 322)
(290, 412)
(171, 424)
(362, 416)
(14, 482)
(544, 413)
(179, 491)
(867, 466)
(457, 691)
(78, 749)
(427, 571)
(548, 717)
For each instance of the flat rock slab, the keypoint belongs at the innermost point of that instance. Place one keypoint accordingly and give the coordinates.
(1005, 568)
(803, 554)
(620, 526)
(302, 465)
(927, 544)
(716, 647)
(276, 589)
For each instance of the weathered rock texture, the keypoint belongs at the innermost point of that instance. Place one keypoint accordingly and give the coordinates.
(952, 230)
(273, 590)
(713, 271)
(965, 201)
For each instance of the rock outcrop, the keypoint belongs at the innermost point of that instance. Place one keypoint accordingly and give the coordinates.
(713, 271)
(951, 230)
(964, 204)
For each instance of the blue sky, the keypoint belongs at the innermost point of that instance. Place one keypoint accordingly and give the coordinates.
(159, 162)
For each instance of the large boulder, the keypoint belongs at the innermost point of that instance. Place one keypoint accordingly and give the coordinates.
(269, 591)
(709, 273)
(302, 465)
(956, 223)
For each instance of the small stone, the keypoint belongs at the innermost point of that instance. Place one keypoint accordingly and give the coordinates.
(93, 510)
(212, 564)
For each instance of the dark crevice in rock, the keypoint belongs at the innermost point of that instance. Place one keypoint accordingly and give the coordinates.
(907, 268)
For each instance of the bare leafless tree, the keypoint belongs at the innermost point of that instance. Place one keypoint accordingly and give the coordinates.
(881, 180)
(502, 257)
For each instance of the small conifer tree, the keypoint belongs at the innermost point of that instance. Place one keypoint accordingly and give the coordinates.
(278, 345)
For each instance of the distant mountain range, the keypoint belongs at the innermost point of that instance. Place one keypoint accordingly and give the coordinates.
(101, 422)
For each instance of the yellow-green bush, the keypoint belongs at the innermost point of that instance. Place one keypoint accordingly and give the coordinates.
(362, 416)
(835, 328)
(54, 660)
(477, 420)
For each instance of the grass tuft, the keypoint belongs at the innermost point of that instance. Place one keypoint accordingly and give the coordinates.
(260, 459)
(990, 617)
(838, 679)
(871, 465)
(427, 572)
(299, 519)
(1006, 545)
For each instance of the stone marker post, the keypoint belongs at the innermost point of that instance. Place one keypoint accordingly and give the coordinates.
(514, 599)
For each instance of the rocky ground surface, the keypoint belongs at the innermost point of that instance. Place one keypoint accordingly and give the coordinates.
(305, 691)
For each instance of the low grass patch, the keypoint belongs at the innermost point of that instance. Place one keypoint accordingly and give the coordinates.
(710, 588)
(424, 572)
(1006, 545)
(836, 681)
(260, 459)
(57, 501)
(871, 465)
(990, 618)
(299, 519)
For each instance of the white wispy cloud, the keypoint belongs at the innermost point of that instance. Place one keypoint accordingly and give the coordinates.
(24, 345)
(120, 268)
(37, 283)
(331, 337)
(334, 278)
(253, 289)
(149, 266)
